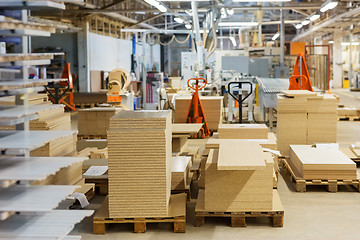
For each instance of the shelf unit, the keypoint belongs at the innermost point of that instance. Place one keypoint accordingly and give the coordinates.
(26, 210)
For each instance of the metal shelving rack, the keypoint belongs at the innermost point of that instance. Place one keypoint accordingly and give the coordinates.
(27, 211)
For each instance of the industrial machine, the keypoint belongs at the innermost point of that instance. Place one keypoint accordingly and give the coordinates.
(196, 112)
(118, 89)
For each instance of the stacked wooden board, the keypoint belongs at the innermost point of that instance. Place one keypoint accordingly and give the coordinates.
(321, 163)
(95, 121)
(139, 145)
(55, 119)
(34, 99)
(180, 169)
(239, 177)
(243, 131)
(305, 117)
(180, 134)
(213, 107)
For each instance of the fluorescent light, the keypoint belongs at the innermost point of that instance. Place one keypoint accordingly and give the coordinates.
(237, 24)
(348, 43)
(178, 20)
(233, 41)
(140, 12)
(275, 36)
(298, 26)
(314, 17)
(189, 12)
(305, 22)
(331, 42)
(223, 13)
(328, 5)
(156, 4)
(188, 26)
(230, 11)
(263, 1)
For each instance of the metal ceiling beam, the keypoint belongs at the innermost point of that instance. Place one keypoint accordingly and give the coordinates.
(113, 3)
(146, 20)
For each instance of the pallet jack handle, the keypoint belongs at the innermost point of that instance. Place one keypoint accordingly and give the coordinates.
(240, 99)
(198, 80)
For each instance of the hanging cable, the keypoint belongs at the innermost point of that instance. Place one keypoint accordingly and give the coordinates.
(169, 42)
(215, 42)
(182, 42)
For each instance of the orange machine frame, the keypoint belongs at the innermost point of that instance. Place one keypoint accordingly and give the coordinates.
(300, 79)
(196, 112)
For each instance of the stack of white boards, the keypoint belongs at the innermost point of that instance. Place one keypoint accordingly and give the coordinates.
(180, 169)
(311, 163)
(239, 177)
(305, 117)
(139, 145)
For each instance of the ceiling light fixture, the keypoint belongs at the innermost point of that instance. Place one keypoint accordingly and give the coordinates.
(298, 26)
(331, 42)
(263, 1)
(237, 24)
(314, 17)
(230, 11)
(156, 4)
(348, 43)
(188, 26)
(328, 5)
(305, 22)
(275, 36)
(178, 20)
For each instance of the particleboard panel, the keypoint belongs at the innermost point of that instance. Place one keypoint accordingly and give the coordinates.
(298, 93)
(180, 168)
(186, 128)
(243, 131)
(250, 156)
(314, 163)
(139, 145)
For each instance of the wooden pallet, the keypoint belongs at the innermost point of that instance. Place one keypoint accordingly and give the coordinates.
(238, 219)
(80, 137)
(176, 215)
(86, 105)
(348, 118)
(301, 184)
(101, 184)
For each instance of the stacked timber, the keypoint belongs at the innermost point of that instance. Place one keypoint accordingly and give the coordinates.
(180, 170)
(95, 121)
(311, 163)
(139, 145)
(239, 177)
(305, 117)
(212, 109)
(53, 119)
(34, 99)
(61, 147)
(243, 131)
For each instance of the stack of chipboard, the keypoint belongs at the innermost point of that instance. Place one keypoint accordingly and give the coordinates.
(305, 117)
(313, 163)
(180, 134)
(95, 121)
(239, 177)
(34, 99)
(180, 169)
(139, 145)
(348, 112)
(61, 147)
(212, 109)
(53, 119)
(243, 131)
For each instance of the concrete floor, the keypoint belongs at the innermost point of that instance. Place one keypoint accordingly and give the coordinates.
(315, 214)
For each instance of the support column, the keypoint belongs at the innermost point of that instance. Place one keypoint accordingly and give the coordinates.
(83, 58)
(337, 60)
(282, 37)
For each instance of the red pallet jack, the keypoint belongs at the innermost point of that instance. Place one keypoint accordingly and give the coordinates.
(300, 79)
(196, 112)
(60, 91)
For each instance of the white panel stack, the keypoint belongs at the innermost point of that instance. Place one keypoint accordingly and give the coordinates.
(139, 144)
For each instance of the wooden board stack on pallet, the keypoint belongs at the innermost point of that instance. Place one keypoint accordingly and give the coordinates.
(181, 132)
(348, 113)
(55, 119)
(139, 146)
(305, 117)
(94, 122)
(213, 108)
(239, 180)
(310, 165)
